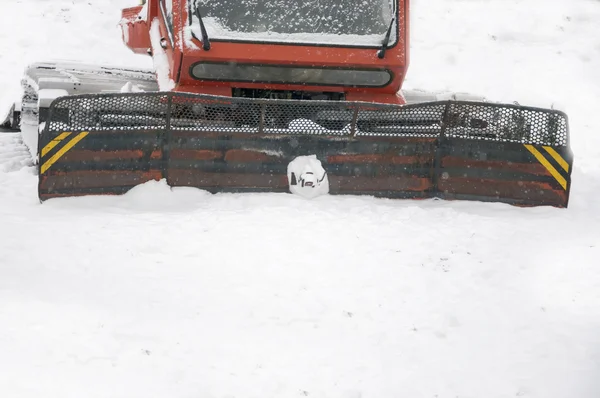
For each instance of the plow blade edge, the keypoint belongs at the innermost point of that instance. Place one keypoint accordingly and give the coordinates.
(109, 143)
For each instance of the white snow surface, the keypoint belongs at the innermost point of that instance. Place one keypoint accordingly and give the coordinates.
(161, 61)
(311, 178)
(179, 293)
(66, 30)
(129, 87)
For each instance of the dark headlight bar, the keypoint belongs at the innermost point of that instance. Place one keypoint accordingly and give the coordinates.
(283, 74)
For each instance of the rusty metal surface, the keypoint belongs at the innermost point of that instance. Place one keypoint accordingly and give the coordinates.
(449, 150)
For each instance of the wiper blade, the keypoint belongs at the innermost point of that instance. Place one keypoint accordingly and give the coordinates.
(205, 41)
(386, 40)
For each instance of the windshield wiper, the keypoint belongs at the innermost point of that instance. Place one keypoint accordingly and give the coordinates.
(205, 41)
(386, 40)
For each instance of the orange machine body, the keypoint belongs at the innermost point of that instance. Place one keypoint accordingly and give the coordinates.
(183, 51)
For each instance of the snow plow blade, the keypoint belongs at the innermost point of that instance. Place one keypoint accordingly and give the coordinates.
(109, 143)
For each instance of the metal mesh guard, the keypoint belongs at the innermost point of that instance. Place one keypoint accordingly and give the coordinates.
(191, 112)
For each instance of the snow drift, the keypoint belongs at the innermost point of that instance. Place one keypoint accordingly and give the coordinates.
(178, 293)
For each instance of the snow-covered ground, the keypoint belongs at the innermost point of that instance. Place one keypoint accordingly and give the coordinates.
(179, 293)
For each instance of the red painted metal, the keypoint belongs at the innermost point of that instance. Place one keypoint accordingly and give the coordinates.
(135, 30)
(182, 56)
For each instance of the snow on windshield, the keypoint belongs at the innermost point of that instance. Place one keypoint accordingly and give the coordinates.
(341, 22)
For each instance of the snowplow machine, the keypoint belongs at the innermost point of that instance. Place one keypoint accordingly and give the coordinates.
(242, 89)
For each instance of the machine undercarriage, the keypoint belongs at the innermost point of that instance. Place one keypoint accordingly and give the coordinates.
(451, 149)
(231, 106)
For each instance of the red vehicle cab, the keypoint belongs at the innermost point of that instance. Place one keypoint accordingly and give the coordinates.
(353, 50)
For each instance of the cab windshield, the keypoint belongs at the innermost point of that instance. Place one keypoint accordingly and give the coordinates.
(331, 22)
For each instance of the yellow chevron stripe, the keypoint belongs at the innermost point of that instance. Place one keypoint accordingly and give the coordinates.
(54, 143)
(561, 180)
(559, 159)
(62, 151)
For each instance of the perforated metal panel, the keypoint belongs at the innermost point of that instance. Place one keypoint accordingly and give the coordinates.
(506, 123)
(495, 122)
